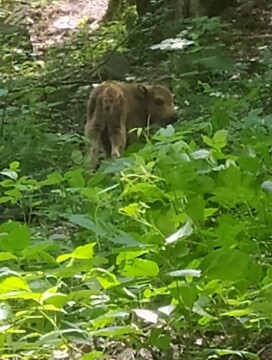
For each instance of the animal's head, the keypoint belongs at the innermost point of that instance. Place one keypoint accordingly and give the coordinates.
(159, 104)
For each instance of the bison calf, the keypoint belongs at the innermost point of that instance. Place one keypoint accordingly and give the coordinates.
(114, 108)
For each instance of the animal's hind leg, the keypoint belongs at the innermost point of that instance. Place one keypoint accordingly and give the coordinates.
(92, 131)
(93, 134)
(106, 143)
(94, 151)
(118, 142)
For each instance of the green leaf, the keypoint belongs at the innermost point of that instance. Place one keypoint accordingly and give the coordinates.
(53, 336)
(140, 267)
(207, 140)
(13, 283)
(226, 264)
(52, 179)
(77, 157)
(220, 139)
(128, 255)
(15, 165)
(160, 339)
(186, 294)
(195, 208)
(4, 256)
(83, 252)
(94, 355)
(58, 300)
(86, 223)
(75, 178)
(232, 176)
(64, 257)
(107, 279)
(14, 237)
(116, 331)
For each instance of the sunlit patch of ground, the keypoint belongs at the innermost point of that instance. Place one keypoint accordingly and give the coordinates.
(53, 22)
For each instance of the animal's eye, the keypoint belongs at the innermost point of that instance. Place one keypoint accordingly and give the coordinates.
(158, 101)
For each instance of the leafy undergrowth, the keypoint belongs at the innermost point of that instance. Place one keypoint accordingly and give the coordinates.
(164, 253)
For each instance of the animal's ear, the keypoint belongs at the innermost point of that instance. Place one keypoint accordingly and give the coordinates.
(143, 90)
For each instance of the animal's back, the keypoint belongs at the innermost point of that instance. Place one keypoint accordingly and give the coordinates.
(110, 104)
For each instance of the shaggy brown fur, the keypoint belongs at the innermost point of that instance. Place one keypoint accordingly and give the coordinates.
(115, 108)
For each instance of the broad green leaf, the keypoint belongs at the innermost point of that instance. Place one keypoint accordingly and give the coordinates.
(160, 339)
(207, 140)
(64, 257)
(220, 138)
(50, 307)
(94, 355)
(140, 267)
(109, 318)
(86, 223)
(20, 295)
(209, 212)
(232, 176)
(75, 177)
(184, 294)
(263, 307)
(195, 208)
(58, 300)
(107, 280)
(53, 336)
(40, 247)
(4, 199)
(226, 264)
(4, 256)
(129, 255)
(84, 251)
(15, 165)
(13, 283)
(14, 237)
(116, 331)
(77, 159)
(131, 210)
(52, 179)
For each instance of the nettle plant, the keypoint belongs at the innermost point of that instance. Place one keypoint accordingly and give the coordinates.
(177, 239)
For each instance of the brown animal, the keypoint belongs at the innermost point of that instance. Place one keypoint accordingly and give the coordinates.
(115, 108)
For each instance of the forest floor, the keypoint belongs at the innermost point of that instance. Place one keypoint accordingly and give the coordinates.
(51, 23)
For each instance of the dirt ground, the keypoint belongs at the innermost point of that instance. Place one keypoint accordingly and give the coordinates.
(50, 24)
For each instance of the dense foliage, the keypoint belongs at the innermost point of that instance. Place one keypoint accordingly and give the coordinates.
(166, 249)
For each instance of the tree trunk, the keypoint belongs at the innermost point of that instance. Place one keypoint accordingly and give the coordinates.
(186, 8)
(143, 7)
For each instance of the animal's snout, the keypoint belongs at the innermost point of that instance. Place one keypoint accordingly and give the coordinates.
(172, 119)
